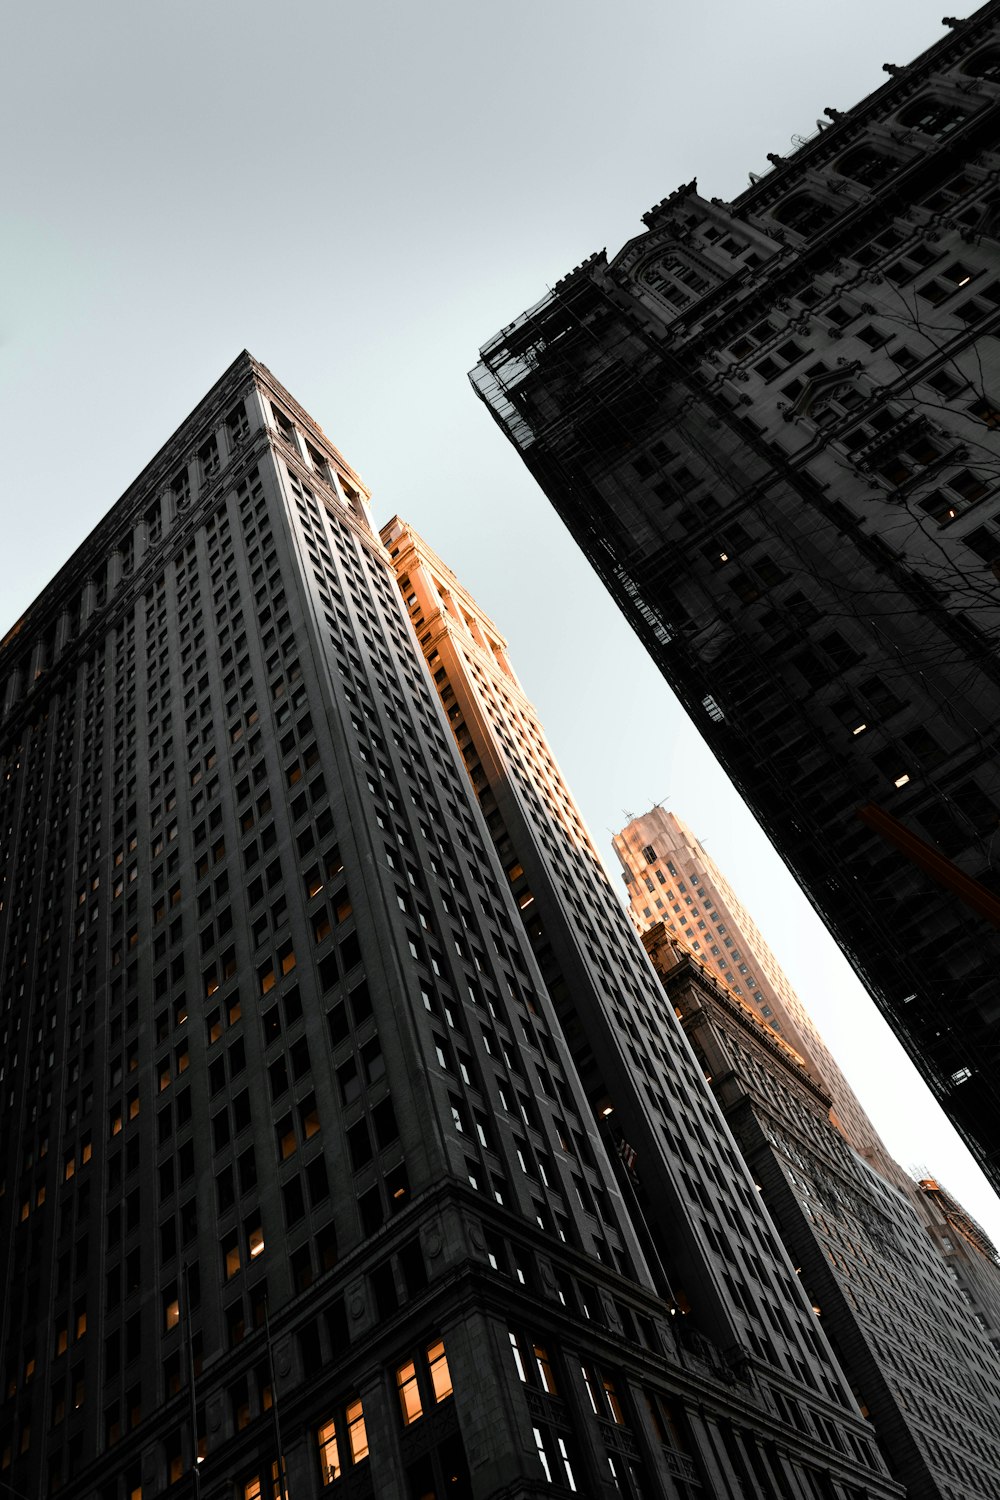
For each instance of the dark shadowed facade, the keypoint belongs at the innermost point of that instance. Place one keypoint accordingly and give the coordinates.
(917, 1356)
(303, 1191)
(772, 427)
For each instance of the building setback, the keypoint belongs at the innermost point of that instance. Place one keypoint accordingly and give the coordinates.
(969, 1254)
(917, 1358)
(579, 932)
(299, 1177)
(772, 426)
(671, 878)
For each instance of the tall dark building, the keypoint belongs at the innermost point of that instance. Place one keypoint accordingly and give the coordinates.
(772, 425)
(304, 1194)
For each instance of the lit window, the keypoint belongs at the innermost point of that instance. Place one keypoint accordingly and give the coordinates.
(519, 1362)
(256, 1242)
(614, 1403)
(542, 1455)
(357, 1436)
(564, 1455)
(329, 1455)
(589, 1383)
(437, 1362)
(544, 1368)
(172, 1313)
(409, 1392)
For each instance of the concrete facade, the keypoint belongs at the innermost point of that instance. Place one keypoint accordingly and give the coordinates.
(683, 887)
(772, 426)
(969, 1254)
(303, 1192)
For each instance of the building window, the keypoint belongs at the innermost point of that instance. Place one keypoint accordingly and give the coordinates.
(865, 165)
(329, 1454)
(409, 1392)
(440, 1374)
(357, 1435)
(932, 117)
(987, 411)
(266, 1487)
(334, 1453)
(984, 64)
(553, 1455)
(425, 1379)
(804, 213)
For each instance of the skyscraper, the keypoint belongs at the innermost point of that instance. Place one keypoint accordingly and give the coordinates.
(671, 879)
(771, 425)
(578, 933)
(917, 1356)
(968, 1252)
(304, 1193)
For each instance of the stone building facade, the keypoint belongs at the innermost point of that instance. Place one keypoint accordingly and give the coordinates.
(773, 426)
(918, 1358)
(671, 879)
(303, 1190)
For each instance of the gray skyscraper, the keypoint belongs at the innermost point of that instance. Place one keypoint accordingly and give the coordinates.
(303, 1190)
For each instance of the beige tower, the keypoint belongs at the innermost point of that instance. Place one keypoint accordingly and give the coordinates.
(673, 880)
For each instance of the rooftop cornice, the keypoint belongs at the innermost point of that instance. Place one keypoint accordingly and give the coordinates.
(242, 375)
(902, 82)
(266, 379)
(415, 543)
(126, 510)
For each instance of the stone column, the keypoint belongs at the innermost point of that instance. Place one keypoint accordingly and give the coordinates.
(87, 596)
(224, 445)
(63, 631)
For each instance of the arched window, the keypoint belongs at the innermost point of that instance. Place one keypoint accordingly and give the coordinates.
(932, 117)
(804, 213)
(985, 64)
(866, 165)
(832, 402)
(675, 280)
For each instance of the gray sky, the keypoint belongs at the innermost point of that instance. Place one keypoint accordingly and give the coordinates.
(362, 193)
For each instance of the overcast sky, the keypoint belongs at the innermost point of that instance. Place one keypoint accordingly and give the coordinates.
(362, 193)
